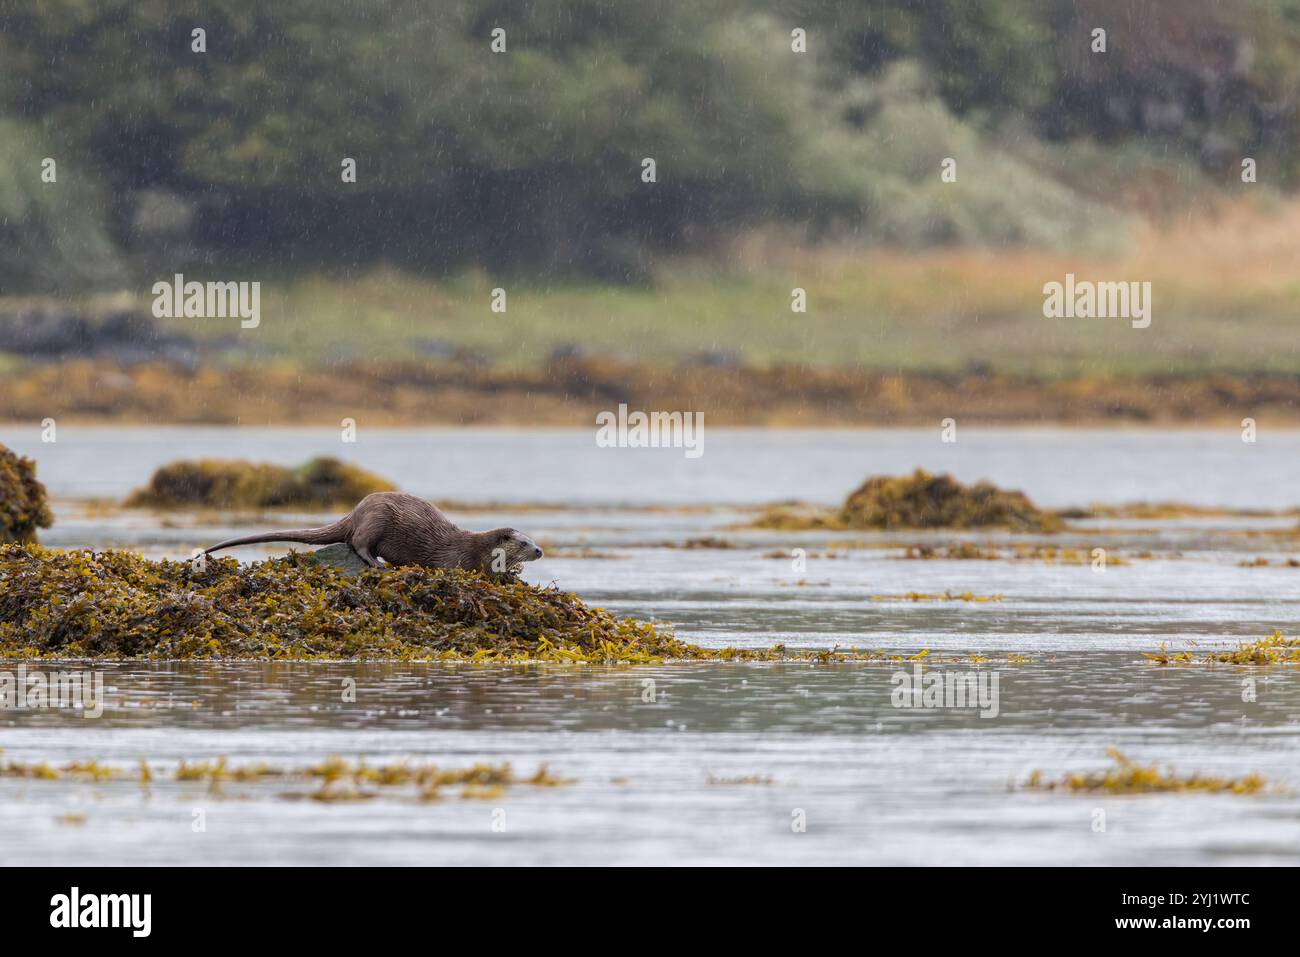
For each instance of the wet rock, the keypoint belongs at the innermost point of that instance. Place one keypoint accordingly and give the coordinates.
(340, 556)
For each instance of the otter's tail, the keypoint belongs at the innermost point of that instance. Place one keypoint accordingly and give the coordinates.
(325, 535)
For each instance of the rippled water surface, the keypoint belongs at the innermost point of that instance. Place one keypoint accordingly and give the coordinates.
(714, 763)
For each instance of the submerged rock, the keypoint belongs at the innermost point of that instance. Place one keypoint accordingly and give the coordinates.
(229, 483)
(23, 505)
(81, 604)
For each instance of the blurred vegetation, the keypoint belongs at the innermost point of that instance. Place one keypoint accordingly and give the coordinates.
(531, 159)
(50, 238)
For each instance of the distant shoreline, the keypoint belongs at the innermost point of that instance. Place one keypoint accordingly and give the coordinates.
(571, 392)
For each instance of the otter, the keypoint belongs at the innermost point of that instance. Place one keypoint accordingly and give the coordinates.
(405, 530)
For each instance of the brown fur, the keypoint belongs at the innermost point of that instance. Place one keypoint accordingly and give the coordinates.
(405, 530)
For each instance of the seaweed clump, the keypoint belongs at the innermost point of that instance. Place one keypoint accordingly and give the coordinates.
(919, 500)
(117, 604)
(946, 596)
(23, 504)
(1276, 649)
(922, 500)
(339, 780)
(798, 517)
(230, 483)
(1129, 778)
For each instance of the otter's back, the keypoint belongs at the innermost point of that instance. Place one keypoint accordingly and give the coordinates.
(397, 517)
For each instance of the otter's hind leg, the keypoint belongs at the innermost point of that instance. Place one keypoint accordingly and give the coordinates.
(365, 543)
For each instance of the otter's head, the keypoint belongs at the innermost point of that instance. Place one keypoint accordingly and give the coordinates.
(509, 548)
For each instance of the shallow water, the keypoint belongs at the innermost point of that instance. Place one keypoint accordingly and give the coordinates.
(875, 783)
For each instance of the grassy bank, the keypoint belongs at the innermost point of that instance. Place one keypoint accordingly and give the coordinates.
(1224, 295)
(889, 338)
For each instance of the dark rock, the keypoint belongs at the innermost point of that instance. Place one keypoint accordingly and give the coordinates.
(718, 359)
(339, 556)
(125, 336)
(434, 348)
(568, 351)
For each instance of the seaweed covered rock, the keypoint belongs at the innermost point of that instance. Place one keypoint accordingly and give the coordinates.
(224, 483)
(922, 500)
(919, 500)
(23, 506)
(81, 604)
